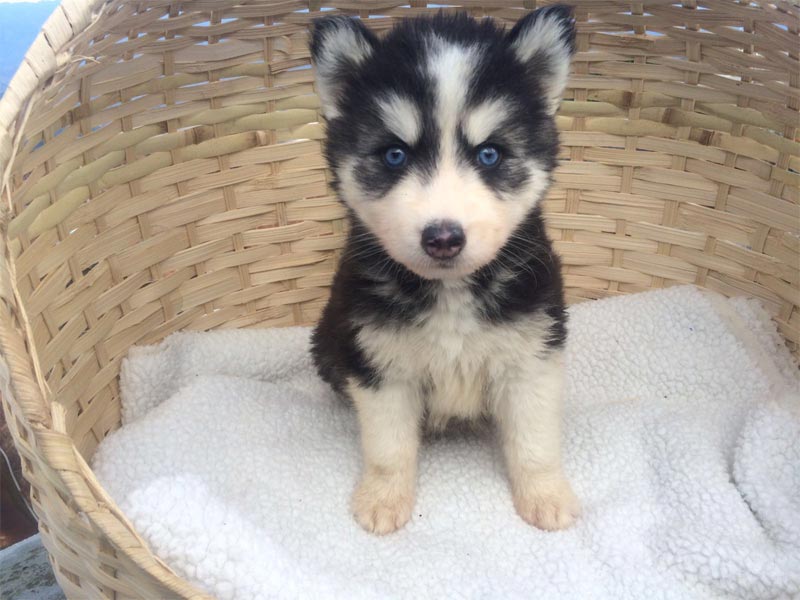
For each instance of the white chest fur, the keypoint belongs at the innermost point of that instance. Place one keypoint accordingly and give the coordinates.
(453, 354)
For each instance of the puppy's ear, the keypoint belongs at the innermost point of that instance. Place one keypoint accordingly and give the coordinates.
(339, 45)
(544, 41)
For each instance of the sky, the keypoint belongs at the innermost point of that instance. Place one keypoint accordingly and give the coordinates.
(20, 23)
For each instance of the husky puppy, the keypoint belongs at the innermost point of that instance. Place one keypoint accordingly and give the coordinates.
(448, 301)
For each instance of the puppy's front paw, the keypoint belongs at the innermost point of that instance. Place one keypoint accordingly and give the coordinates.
(383, 504)
(547, 503)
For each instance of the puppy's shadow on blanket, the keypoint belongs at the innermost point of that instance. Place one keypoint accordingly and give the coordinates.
(480, 430)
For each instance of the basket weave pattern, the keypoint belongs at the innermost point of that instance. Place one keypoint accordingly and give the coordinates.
(162, 170)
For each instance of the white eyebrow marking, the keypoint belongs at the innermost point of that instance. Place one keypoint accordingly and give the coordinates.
(484, 120)
(402, 117)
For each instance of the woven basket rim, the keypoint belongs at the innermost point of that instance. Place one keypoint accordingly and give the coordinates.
(42, 59)
(59, 449)
(40, 62)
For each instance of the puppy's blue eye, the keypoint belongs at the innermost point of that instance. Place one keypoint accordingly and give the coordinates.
(488, 156)
(395, 157)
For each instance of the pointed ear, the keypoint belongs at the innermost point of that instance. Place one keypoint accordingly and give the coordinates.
(544, 41)
(338, 46)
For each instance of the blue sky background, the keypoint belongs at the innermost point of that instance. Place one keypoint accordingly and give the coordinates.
(20, 23)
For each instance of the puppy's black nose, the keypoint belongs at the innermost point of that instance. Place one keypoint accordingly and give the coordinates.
(443, 239)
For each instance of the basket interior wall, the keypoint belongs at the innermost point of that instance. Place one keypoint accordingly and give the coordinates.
(170, 175)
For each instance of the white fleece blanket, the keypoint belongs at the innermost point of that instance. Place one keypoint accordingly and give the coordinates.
(681, 438)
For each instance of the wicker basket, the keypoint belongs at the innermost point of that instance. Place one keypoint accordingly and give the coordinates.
(162, 170)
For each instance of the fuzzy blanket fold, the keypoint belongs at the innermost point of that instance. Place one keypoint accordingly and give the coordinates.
(681, 429)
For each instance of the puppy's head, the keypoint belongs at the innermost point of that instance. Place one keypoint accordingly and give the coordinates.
(441, 136)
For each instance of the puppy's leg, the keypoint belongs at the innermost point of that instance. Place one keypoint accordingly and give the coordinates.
(527, 406)
(390, 432)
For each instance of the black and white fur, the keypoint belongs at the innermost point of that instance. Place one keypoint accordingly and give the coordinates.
(415, 340)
